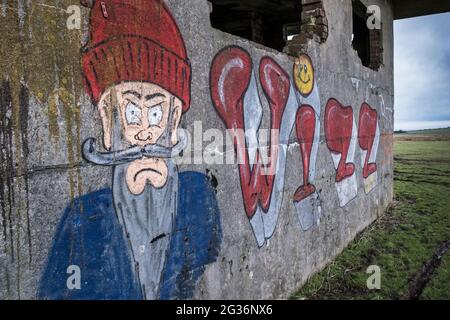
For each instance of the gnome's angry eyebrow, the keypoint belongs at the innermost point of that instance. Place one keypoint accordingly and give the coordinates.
(153, 96)
(147, 97)
(132, 92)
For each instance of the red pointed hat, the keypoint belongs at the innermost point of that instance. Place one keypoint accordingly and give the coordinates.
(135, 40)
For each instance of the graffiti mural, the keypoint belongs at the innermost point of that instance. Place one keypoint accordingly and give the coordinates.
(294, 105)
(340, 134)
(369, 140)
(150, 235)
(236, 99)
(306, 198)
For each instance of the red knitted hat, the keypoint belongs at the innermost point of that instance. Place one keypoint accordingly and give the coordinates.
(135, 40)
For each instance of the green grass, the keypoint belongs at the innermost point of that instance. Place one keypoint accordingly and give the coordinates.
(404, 239)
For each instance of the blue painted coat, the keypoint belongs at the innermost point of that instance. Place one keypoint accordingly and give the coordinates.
(90, 237)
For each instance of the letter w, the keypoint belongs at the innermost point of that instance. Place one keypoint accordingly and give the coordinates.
(235, 97)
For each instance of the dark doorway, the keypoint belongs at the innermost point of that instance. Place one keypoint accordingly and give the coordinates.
(367, 42)
(269, 22)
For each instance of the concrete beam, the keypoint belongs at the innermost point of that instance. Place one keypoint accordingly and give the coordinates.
(415, 8)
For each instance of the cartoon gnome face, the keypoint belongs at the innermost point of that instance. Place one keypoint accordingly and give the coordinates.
(138, 75)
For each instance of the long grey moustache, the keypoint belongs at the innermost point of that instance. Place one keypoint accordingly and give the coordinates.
(113, 158)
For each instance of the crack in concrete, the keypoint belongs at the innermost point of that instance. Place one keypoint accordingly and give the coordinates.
(43, 169)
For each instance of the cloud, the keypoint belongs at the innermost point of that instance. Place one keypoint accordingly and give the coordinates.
(422, 68)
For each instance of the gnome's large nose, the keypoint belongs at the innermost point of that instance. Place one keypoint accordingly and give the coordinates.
(144, 135)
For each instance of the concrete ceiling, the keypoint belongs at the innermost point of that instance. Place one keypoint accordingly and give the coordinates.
(416, 8)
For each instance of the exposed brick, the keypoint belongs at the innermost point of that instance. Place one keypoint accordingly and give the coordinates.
(314, 26)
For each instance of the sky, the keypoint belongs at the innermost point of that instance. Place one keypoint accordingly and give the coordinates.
(422, 72)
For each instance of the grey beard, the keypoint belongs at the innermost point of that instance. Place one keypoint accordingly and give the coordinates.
(148, 222)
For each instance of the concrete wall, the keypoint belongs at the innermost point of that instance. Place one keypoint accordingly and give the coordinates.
(221, 243)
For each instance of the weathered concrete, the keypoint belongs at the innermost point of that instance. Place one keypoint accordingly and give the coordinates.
(47, 120)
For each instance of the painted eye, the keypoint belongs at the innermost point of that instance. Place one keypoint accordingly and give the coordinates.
(133, 114)
(306, 68)
(155, 115)
(299, 70)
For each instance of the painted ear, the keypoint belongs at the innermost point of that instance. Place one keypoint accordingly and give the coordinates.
(105, 107)
(176, 118)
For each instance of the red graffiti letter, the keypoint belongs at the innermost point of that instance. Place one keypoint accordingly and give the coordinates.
(229, 80)
(305, 128)
(368, 121)
(338, 132)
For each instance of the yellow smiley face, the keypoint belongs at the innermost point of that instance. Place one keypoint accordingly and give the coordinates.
(304, 75)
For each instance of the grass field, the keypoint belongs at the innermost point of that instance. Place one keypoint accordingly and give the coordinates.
(410, 242)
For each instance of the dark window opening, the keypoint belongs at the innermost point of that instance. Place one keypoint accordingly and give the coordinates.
(367, 43)
(271, 23)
